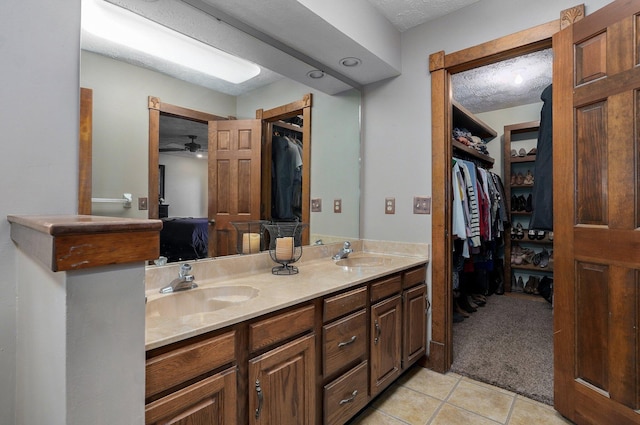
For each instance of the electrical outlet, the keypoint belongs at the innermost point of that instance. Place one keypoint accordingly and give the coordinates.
(316, 205)
(390, 205)
(142, 204)
(337, 206)
(421, 205)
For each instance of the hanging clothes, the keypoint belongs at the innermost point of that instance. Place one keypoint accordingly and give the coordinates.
(542, 193)
(282, 178)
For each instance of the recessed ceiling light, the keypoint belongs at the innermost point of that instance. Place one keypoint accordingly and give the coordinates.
(315, 74)
(350, 62)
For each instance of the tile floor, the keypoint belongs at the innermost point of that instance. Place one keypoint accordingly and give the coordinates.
(424, 397)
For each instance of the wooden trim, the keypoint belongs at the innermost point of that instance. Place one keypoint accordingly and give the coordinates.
(85, 165)
(441, 66)
(268, 117)
(82, 241)
(157, 108)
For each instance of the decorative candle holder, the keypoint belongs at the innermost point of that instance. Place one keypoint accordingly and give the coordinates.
(250, 236)
(285, 245)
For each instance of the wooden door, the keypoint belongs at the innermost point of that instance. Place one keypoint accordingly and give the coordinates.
(414, 324)
(596, 117)
(386, 343)
(210, 401)
(282, 384)
(234, 180)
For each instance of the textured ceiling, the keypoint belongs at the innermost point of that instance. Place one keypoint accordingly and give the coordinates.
(405, 14)
(494, 86)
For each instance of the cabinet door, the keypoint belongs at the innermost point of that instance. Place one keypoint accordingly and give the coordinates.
(282, 384)
(415, 324)
(386, 340)
(210, 401)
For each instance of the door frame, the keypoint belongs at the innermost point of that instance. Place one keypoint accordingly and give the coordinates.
(441, 66)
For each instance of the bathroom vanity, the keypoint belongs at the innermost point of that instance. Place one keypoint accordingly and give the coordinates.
(311, 348)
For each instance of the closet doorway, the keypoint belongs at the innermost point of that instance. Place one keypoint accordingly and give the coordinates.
(442, 67)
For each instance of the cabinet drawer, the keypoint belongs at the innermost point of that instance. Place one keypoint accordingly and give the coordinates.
(414, 276)
(342, 304)
(344, 341)
(188, 362)
(345, 396)
(281, 327)
(386, 287)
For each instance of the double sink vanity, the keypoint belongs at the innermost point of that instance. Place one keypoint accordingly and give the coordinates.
(249, 347)
(243, 347)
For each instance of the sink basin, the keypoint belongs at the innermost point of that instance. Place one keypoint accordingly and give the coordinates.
(199, 300)
(362, 262)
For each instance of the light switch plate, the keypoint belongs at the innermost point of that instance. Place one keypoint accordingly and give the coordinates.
(316, 205)
(142, 204)
(337, 206)
(421, 205)
(390, 205)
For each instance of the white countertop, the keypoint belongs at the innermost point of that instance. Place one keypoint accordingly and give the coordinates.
(315, 279)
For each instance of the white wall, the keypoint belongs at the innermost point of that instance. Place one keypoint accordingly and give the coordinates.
(186, 185)
(121, 120)
(39, 46)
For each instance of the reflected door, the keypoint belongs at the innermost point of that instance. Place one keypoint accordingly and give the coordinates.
(234, 180)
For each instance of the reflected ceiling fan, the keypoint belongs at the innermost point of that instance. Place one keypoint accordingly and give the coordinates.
(192, 146)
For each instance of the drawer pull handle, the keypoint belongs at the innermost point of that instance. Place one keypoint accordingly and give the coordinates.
(259, 391)
(350, 399)
(378, 332)
(351, 341)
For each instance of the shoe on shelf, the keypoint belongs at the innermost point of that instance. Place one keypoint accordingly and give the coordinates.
(514, 203)
(544, 258)
(522, 152)
(528, 287)
(532, 152)
(513, 179)
(528, 207)
(522, 203)
(540, 235)
(519, 179)
(531, 234)
(550, 236)
(519, 285)
(519, 231)
(528, 179)
(513, 152)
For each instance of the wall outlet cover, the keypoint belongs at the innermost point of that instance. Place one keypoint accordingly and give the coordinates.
(337, 206)
(421, 205)
(390, 205)
(316, 205)
(142, 204)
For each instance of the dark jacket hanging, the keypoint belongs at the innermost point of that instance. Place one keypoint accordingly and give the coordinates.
(542, 196)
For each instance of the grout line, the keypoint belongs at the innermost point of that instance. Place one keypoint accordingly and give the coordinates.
(513, 406)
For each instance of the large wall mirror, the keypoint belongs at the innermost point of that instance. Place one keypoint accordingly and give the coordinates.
(120, 141)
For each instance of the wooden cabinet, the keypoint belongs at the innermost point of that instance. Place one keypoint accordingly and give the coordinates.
(209, 401)
(283, 382)
(385, 343)
(414, 337)
(182, 386)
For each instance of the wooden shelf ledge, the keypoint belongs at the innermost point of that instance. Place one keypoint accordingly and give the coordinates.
(73, 242)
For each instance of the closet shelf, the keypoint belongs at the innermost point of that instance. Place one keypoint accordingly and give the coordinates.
(472, 152)
(528, 158)
(462, 117)
(531, 267)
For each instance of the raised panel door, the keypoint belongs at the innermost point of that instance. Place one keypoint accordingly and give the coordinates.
(386, 343)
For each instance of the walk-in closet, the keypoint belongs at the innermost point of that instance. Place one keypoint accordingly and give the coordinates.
(502, 240)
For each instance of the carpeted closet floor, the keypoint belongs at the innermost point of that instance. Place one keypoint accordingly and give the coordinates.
(508, 343)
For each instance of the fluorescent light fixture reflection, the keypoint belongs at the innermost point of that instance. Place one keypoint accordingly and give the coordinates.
(121, 26)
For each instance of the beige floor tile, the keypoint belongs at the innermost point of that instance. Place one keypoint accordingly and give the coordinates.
(452, 415)
(372, 416)
(484, 401)
(483, 384)
(429, 382)
(407, 405)
(526, 412)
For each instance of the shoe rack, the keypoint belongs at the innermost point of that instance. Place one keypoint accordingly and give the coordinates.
(528, 253)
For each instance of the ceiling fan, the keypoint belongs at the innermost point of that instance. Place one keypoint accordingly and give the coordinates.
(192, 146)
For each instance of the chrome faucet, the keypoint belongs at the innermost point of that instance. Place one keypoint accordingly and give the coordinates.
(344, 252)
(184, 281)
